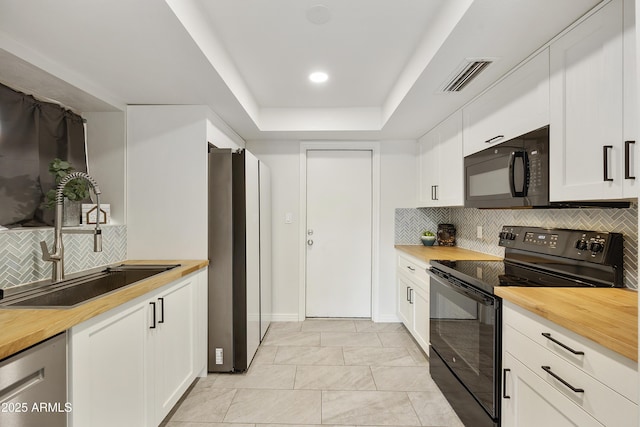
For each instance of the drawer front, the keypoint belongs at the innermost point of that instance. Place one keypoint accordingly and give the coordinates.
(608, 367)
(603, 403)
(413, 268)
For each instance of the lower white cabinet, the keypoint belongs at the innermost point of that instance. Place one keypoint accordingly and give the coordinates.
(130, 365)
(529, 401)
(413, 298)
(554, 377)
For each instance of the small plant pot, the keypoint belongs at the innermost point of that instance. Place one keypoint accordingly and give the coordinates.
(428, 240)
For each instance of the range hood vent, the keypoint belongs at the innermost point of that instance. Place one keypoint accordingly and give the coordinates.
(468, 71)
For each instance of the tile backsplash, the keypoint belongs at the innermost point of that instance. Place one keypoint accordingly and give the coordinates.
(410, 222)
(21, 260)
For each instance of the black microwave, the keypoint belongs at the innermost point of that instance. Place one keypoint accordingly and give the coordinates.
(511, 174)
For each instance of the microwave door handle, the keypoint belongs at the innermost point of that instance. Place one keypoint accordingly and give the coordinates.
(512, 173)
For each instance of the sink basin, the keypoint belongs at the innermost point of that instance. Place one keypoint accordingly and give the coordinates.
(72, 292)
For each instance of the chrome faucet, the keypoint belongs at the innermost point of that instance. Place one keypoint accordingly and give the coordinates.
(57, 257)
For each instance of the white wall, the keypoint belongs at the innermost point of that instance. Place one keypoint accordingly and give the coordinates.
(106, 155)
(167, 182)
(220, 134)
(398, 173)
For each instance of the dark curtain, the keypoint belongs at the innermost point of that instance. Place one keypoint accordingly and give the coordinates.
(32, 134)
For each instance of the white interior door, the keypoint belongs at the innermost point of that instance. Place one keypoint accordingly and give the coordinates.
(339, 233)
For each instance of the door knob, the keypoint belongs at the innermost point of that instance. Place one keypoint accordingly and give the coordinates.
(310, 242)
(310, 232)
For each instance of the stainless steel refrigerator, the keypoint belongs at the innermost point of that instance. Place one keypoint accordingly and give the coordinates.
(239, 258)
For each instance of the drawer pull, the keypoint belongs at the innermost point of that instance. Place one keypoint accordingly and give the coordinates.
(504, 383)
(548, 336)
(411, 268)
(548, 370)
(490, 140)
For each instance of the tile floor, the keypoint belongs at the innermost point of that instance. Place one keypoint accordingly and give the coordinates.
(338, 372)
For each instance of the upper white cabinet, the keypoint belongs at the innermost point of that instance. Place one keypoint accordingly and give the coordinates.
(588, 100)
(441, 164)
(516, 105)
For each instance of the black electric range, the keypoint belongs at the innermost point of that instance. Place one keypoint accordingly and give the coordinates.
(466, 315)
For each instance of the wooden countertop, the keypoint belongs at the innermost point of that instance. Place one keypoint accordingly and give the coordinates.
(22, 328)
(449, 253)
(604, 315)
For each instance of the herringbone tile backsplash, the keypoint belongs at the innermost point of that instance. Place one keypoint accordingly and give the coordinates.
(21, 259)
(410, 222)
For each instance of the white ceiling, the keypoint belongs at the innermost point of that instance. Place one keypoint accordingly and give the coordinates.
(249, 59)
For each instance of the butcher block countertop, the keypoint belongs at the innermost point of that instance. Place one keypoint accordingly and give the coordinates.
(607, 316)
(22, 328)
(449, 253)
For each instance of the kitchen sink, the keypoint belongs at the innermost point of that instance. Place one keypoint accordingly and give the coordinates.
(72, 292)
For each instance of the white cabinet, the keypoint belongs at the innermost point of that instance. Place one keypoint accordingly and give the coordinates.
(441, 164)
(172, 345)
(405, 306)
(528, 401)
(107, 369)
(130, 365)
(517, 104)
(562, 379)
(413, 298)
(588, 98)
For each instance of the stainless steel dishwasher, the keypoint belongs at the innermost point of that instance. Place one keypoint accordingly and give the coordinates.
(33, 386)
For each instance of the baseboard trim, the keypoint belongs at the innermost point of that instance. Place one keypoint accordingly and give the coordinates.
(284, 317)
(387, 318)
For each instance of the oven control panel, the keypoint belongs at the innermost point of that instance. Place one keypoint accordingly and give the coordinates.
(592, 246)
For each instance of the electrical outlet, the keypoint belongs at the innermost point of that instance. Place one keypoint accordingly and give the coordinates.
(479, 232)
(219, 356)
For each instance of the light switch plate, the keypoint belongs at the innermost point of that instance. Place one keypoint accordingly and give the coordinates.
(479, 232)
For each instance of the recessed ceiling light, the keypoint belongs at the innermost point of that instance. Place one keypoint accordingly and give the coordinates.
(318, 77)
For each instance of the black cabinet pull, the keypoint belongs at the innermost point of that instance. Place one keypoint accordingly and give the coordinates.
(410, 296)
(548, 370)
(490, 140)
(161, 310)
(504, 383)
(411, 268)
(605, 160)
(627, 160)
(153, 326)
(435, 187)
(548, 336)
(433, 192)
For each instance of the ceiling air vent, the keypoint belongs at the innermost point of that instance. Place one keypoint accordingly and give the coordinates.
(468, 71)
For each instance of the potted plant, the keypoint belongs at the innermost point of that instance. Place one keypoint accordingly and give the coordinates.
(74, 192)
(428, 238)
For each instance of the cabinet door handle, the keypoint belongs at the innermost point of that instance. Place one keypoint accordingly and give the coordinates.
(490, 140)
(161, 310)
(433, 192)
(504, 383)
(435, 187)
(548, 370)
(605, 160)
(153, 324)
(548, 336)
(627, 160)
(410, 296)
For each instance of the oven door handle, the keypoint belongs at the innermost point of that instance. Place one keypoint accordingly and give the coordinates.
(512, 173)
(477, 296)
